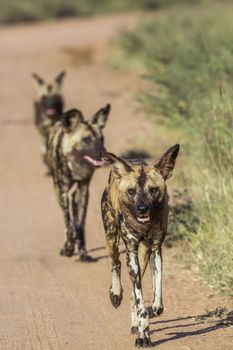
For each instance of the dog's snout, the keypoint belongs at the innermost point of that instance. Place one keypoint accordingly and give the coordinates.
(143, 209)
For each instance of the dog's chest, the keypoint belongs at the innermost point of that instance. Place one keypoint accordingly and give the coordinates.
(46, 124)
(78, 169)
(152, 235)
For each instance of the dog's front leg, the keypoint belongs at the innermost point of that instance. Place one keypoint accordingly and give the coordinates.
(112, 240)
(143, 339)
(62, 193)
(156, 265)
(79, 208)
(45, 157)
(115, 291)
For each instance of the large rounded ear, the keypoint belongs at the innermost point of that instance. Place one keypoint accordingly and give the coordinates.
(71, 119)
(119, 165)
(40, 81)
(166, 163)
(100, 118)
(59, 78)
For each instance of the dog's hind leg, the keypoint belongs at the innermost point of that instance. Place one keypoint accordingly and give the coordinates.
(143, 339)
(156, 266)
(143, 258)
(79, 208)
(134, 315)
(62, 193)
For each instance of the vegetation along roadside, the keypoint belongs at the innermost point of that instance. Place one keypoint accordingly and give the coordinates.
(188, 56)
(15, 11)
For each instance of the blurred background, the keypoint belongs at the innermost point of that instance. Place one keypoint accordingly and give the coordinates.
(27, 11)
(166, 66)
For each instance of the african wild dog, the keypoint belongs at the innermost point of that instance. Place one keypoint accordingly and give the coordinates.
(135, 208)
(74, 151)
(49, 106)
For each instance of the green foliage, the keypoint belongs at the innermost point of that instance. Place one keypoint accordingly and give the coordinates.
(183, 218)
(27, 10)
(14, 11)
(188, 55)
(212, 246)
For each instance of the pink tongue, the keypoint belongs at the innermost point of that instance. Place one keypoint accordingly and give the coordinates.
(94, 162)
(50, 111)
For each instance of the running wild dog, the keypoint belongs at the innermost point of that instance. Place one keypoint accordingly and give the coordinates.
(135, 208)
(75, 148)
(48, 105)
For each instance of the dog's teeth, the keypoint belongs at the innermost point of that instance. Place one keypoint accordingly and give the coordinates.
(143, 219)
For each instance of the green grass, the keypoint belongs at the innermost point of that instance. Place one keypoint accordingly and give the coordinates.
(187, 53)
(14, 11)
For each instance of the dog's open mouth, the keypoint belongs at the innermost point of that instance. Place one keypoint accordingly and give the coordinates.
(95, 162)
(51, 112)
(143, 219)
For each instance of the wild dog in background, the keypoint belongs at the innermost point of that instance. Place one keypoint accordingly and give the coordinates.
(135, 208)
(49, 105)
(74, 151)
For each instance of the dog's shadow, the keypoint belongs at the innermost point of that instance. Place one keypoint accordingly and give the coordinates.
(223, 321)
(92, 259)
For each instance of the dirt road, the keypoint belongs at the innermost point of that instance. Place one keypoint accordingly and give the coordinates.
(48, 302)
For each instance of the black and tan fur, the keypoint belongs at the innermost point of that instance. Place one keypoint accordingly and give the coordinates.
(75, 148)
(48, 106)
(135, 208)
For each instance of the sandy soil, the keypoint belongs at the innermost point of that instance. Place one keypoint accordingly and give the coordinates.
(51, 302)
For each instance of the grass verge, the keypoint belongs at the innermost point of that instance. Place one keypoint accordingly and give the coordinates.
(188, 55)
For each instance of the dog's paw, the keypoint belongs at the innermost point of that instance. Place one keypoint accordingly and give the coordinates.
(67, 250)
(134, 330)
(158, 311)
(143, 342)
(155, 311)
(115, 299)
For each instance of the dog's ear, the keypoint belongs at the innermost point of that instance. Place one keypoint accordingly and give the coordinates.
(40, 81)
(71, 119)
(166, 163)
(118, 164)
(100, 118)
(59, 79)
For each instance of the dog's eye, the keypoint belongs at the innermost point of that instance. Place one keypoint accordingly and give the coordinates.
(87, 139)
(131, 191)
(154, 190)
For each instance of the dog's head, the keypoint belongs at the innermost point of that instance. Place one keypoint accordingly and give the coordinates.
(142, 188)
(83, 141)
(49, 99)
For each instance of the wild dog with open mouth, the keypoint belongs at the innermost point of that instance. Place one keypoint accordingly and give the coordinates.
(74, 151)
(135, 207)
(48, 105)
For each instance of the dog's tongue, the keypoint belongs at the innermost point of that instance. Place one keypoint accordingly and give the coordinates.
(51, 111)
(95, 162)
